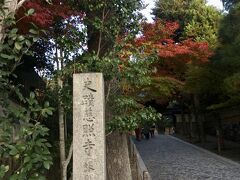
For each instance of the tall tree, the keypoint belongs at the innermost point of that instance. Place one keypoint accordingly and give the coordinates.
(221, 76)
(23, 137)
(105, 21)
(171, 58)
(227, 55)
(197, 20)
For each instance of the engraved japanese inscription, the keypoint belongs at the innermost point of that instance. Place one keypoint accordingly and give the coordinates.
(88, 127)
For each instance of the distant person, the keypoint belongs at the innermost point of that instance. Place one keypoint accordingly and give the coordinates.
(146, 131)
(159, 127)
(138, 132)
(152, 129)
(173, 130)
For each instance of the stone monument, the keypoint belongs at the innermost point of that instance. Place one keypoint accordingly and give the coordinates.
(89, 151)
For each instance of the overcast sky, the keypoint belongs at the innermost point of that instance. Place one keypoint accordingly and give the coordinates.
(147, 11)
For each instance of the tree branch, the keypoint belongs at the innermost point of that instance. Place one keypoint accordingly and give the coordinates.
(66, 162)
(109, 133)
(100, 35)
(69, 155)
(108, 91)
(20, 4)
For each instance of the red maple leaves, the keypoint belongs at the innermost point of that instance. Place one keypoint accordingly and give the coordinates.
(158, 36)
(44, 13)
(159, 40)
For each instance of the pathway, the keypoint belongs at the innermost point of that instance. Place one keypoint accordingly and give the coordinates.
(169, 158)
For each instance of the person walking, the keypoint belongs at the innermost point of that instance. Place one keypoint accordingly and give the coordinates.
(138, 132)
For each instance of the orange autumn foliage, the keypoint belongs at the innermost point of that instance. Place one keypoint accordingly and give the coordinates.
(158, 37)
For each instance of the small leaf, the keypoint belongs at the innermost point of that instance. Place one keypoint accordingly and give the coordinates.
(28, 43)
(46, 104)
(30, 12)
(18, 46)
(7, 56)
(48, 145)
(20, 38)
(6, 168)
(32, 95)
(13, 151)
(14, 31)
(26, 159)
(35, 39)
(46, 164)
(49, 112)
(33, 31)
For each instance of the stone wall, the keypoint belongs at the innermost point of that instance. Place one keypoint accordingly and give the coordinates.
(139, 170)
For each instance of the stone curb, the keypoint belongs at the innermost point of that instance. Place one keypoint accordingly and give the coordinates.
(206, 151)
(145, 175)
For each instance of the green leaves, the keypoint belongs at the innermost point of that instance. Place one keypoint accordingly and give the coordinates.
(3, 170)
(13, 150)
(220, 79)
(129, 122)
(129, 114)
(24, 142)
(197, 20)
(31, 148)
(34, 151)
(232, 84)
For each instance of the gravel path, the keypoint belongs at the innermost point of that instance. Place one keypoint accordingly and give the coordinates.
(169, 158)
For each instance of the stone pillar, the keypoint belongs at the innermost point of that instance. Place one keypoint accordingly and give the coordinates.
(89, 151)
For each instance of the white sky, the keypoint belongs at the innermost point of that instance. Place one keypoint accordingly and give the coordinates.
(147, 12)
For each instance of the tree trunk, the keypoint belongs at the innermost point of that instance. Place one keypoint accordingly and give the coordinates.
(199, 118)
(219, 133)
(61, 136)
(201, 126)
(183, 122)
(117, 156)
(118, 163)
(2, 32)
(61, 121)
(190, 127)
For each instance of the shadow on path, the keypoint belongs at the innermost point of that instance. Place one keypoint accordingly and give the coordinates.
(168, 158)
